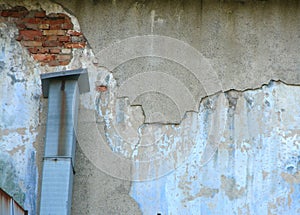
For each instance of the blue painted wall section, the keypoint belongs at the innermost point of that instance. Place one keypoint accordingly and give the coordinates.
(19, 118)
(255, 169)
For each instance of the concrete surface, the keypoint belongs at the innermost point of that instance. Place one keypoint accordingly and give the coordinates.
(246, 43)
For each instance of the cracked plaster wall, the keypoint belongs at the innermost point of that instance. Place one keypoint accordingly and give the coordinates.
(254, 133)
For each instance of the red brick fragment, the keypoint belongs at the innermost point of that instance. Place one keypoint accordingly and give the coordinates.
(64, 38)
(38, 50)
(75, 45)
(44, 26)
(29, 34)
(40, 38)
(40, 14)
(52, 37)
(54, 32)
(55, 26)
(44, 57)
(17, 14)
(74, 33)
(32, 43)
(6, 13)
(51, 43)
(64, 57)
(101, 88)
(54, 50)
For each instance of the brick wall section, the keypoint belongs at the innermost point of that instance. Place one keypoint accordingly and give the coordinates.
(50, 39)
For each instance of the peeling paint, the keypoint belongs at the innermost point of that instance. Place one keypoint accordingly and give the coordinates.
(255, 170)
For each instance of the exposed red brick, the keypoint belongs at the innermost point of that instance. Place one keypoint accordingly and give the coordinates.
(75, 45)
(6, 13)
(101, 88)
(32, 43)
(39, 50)
(55, 27)
(42, 50)
(64, 63)
(64, 57)
(44, 26)
(55, 50)
(51, 43)
(44, 57)
(40, 14)
(74, 33)
(52, 37)
(64, 38)
(21, 26)
(54, 32)
(19, 14)
(41, 38)
(45, 36)
(29, 34)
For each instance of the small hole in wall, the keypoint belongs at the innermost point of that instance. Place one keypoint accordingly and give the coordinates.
(158, 213)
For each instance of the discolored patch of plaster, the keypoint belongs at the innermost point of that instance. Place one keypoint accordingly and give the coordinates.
(291, 179)
(17, 149)
(204, 192)
(9, 179)
(232, 190)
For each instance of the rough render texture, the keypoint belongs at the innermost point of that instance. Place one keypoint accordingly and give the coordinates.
(247, 43)
(254, 133)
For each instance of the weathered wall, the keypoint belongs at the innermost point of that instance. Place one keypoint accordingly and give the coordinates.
(255, 169)
(245, 43)
(233, 152)
(20, 93)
